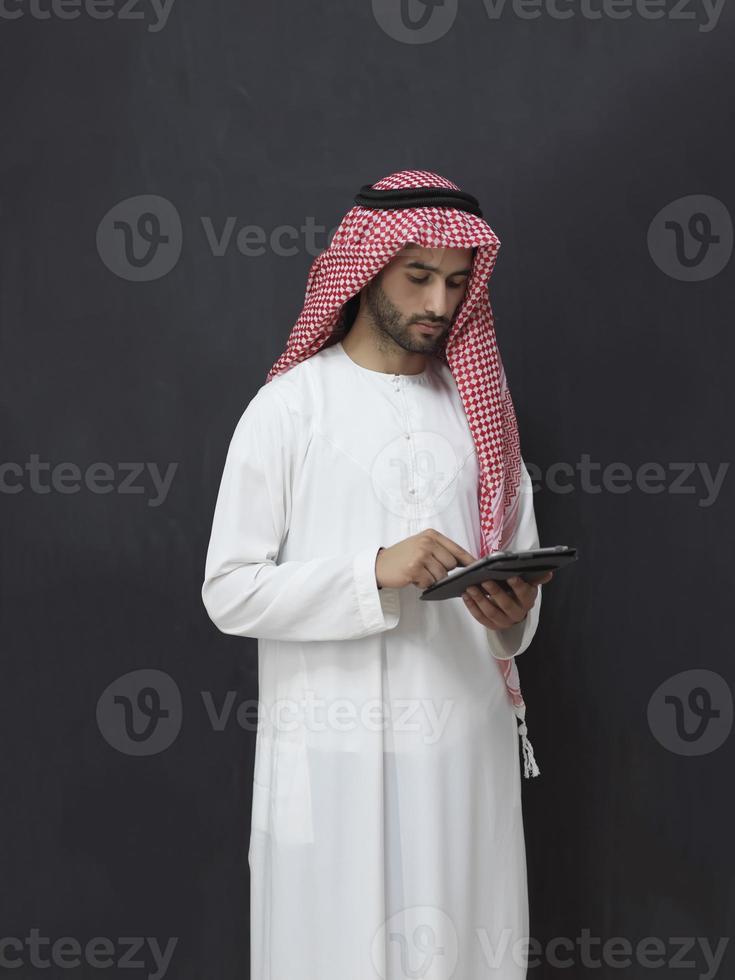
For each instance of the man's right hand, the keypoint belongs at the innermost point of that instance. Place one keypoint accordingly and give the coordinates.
(420, 560)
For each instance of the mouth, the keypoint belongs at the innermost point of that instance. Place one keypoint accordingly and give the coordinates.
(430, 327)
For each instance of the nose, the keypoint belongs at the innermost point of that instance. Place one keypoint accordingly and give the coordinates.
(436, 301)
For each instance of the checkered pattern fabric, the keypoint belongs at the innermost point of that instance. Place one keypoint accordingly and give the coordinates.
(365, 241)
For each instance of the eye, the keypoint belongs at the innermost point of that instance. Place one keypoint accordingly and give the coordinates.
(451, 285)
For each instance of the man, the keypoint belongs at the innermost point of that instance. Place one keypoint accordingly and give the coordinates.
(386, 837)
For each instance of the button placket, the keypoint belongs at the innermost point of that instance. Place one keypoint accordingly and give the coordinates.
(400, 390)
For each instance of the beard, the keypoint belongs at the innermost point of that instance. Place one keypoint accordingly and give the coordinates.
(390, 324)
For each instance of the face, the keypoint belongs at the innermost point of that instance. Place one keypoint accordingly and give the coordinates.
(415, 298)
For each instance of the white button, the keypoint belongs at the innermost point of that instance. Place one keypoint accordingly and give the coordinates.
(412, 490)
(408, 435)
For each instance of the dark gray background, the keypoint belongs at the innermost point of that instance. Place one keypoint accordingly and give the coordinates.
(574, 134)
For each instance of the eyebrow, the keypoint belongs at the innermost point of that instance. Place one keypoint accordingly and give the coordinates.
(416, 264)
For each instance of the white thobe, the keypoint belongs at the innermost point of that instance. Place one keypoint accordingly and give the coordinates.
(386, 828)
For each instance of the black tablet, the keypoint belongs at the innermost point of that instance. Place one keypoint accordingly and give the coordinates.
(501, 565)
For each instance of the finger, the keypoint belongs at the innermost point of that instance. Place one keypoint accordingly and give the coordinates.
(501, 615)
(436, 565)
(494, 620)
(435, 569)
(444, 544)
(525, 592)
(504, 598)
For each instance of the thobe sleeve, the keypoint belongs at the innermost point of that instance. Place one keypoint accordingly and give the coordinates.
(246, 590)
(508, 643)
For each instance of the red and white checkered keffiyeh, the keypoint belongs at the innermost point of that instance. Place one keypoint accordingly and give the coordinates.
(365, 241)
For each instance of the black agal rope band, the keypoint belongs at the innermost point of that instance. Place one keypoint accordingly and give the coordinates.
(417, 197)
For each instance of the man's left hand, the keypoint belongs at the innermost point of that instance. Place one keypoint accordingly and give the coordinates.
(498, 608)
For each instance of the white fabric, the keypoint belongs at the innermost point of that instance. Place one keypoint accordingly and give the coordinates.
(380, 848)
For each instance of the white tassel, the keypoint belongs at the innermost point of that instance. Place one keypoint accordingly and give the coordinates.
(529, 761)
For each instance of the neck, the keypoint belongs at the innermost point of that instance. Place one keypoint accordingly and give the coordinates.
(375, 350)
